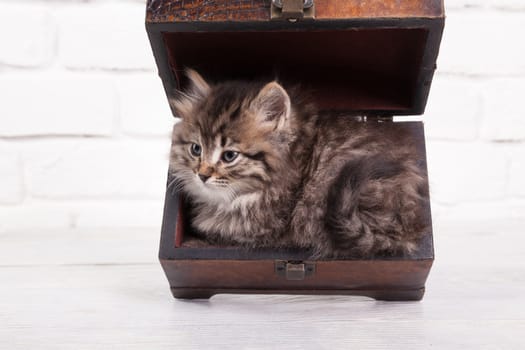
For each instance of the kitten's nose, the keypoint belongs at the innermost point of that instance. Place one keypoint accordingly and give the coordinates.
(204, 177)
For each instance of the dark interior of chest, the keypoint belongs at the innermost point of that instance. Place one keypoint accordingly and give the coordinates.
(360, 70)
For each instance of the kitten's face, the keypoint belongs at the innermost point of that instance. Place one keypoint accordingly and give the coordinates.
(231, 141)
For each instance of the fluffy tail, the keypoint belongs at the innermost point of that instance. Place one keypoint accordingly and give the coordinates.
(376, 207)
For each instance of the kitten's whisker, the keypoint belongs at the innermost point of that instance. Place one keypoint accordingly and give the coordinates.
(179, 181)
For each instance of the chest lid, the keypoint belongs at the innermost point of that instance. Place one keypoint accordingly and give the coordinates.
(373, 57)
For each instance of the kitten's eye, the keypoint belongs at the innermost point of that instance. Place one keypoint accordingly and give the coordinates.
(229, 156)
(195, 150)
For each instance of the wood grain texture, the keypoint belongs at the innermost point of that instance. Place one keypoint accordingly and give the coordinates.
(259, 10)
(337, 9)
(259, 274)
(207, 11)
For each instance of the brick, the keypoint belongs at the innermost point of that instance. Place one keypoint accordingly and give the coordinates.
(119, 213)
(459, 4)
(47, 215)
(466, 172)
(484, 4)
(504, 117)
(96, 168)
(82, 214)
(144, 108)
(45, 104)
(104, 36)
(516, 186)
(454, 109)
(481, 217)
(27, 36)
(11, 184)
(483, 43)
(506, 4)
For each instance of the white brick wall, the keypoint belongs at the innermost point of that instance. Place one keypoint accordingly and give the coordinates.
(505, 5)
(84, 123)
(71, 214)
(104, 36)
(94, 168)
(30, 42)
(503, 115)
(453, 109)
(516, 184)
(483, 43)
(11, 184)
(37, 104)
(466, 171)
(143, 106)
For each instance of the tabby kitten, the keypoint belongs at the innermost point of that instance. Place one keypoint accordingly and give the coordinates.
(262, 169)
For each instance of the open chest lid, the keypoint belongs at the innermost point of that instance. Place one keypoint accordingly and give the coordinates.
(375, 57)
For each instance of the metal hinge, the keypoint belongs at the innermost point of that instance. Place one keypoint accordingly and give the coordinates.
(292, 10)
(294, 270)
(376, 118)
(385, 118)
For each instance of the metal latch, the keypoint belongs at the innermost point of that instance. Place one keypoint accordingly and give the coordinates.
(294, 270)
(292, 10)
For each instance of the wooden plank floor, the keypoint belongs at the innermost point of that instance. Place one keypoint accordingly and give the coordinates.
(105, 290)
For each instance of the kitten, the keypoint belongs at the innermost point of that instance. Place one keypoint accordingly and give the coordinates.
(262, 169)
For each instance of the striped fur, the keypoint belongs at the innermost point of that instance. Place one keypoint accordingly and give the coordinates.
(325, 183)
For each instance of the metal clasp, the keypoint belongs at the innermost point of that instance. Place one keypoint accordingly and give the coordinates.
(294, 270)
(292, 10)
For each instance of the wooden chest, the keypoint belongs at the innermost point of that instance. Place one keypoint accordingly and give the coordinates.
(373, 57)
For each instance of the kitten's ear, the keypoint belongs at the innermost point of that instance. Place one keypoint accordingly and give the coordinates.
(198, 89)
(272, 105)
